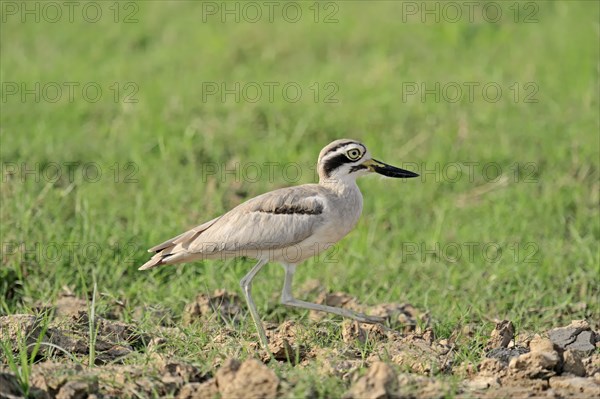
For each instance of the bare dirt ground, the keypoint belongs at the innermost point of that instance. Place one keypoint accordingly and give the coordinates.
(563, 362)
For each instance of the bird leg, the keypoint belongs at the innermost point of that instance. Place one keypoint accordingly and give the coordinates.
(246, 284)
(288, 299)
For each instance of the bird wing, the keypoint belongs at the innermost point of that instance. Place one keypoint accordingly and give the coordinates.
(277, 219)
(273, 220)
(187, 236)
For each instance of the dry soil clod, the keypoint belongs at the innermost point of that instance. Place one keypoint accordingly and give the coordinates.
(560, 366)
(250, 379)
(221, 305)
(501, 335)
(380, 382)
(577, 336)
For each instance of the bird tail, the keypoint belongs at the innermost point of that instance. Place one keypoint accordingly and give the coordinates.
(155, 261)
(174, 249)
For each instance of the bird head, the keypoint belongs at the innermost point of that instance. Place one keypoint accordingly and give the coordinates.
(346, 159)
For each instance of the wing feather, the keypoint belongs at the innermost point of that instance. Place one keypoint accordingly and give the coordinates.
(273, 220)
(188, 235)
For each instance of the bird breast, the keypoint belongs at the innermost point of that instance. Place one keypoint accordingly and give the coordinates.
(341, 213)
(343, 210)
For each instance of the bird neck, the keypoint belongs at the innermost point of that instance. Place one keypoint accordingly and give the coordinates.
(340, 185)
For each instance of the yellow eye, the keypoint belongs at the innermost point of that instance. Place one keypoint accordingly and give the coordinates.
(353, 154)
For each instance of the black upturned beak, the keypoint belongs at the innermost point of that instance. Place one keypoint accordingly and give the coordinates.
(388, 170)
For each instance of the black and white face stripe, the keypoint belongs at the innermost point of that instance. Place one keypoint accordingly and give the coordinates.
(344, 157)
(341, 145)
(344, 160)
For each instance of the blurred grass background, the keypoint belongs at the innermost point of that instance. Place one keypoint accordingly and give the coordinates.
(544, 216)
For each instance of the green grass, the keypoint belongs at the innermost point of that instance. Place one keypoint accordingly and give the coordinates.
(543, 215)
(20, 359)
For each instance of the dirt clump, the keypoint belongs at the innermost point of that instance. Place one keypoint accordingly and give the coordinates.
(286, 343)
(421, 353)
(402, 317)
(68, 305)
(560, 363)
(17, 328)
(575, 386)
(52, 379)
(577, 336)
(250, 379)
(337, 362)
(546, 369)
(199, 390)
(573, 364)
(501, 344)
(352, 331)
(418, 386)
(380, 382)
(541, 362)
(335, 299)
(506, 354)
(113, 339)
(491, 367)
(9, 386)
(49, 377)
(221, 305)
(417, 351)
(77, 389)
(592, 364)
(157, 314)
(281, 349)
(502, 335)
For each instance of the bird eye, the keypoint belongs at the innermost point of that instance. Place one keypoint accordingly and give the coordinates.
(353, 154)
